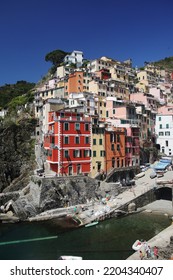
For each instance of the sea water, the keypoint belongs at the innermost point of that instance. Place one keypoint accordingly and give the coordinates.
(109, 240)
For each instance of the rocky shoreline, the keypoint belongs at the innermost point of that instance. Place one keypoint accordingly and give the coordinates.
(51, 197)
(77, 201)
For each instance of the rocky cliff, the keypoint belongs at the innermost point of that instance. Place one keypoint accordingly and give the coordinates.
(17, 156)
(42, 194)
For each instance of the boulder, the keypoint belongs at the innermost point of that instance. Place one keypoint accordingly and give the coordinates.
(131, 207)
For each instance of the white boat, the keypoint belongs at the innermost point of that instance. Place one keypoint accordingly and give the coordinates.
(139, 175)
(137, 245)
(91, 224)
(67, 258)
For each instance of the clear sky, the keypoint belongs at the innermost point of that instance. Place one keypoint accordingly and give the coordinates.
(29, 29)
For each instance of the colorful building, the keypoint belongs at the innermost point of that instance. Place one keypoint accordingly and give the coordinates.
(164, 130)
(114, 148)
(68, 143)
(75, 82)
(98, 146)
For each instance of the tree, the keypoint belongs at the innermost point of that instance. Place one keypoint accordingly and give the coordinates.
(10, 91)
(56, 57)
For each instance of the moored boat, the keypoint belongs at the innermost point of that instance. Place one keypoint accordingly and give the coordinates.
(92, 224)
(67, 258)
(137, 245)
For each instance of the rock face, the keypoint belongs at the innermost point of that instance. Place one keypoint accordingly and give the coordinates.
(42, 194)
(67, 191)
(17, 157)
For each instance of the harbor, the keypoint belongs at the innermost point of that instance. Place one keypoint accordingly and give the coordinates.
(111, 239)
(127, 202)
(135, 203)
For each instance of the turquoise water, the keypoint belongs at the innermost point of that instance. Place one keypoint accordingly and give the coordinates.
(111, 239)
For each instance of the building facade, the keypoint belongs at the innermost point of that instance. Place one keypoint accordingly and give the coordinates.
(68, 143)
(164, 130)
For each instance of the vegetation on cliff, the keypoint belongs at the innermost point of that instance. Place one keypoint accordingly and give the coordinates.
(12, 95)
(166, 63)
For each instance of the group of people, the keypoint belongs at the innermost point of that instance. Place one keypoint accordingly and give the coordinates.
(148, 252)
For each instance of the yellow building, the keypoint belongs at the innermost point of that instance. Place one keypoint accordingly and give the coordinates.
(98, 148)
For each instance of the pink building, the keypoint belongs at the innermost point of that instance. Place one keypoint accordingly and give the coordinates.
(120, 109)
(132, 146)
(165, 110)
(159, 95)
(145, 98)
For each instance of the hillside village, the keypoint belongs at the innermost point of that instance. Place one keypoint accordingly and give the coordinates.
(103, 117)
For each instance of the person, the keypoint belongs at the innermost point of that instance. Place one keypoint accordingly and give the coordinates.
(156, 252)
(148, 251)
(141, 255)
(145, 245)
(152, 253)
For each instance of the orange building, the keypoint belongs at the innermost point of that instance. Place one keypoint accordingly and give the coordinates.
(75, 82)
(114, 147)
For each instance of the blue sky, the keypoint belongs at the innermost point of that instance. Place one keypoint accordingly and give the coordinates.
(141, 30)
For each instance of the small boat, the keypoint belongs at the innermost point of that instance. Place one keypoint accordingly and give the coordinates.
(92, 224)
(139, 175)
(67, 258)
(137, 245)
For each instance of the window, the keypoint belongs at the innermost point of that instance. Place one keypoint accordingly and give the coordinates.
(70, 170)
(102, 153)
(167, 133)
(128, 139)
(107, 114)
(94, 154)
(86, 153)
(62, 115)
(94, 141)
(86, 127)
(111, 137)
(167, 125)
(160, 126)
(87, 140)
(66, 154)
(113, 111)
(77, 126)
(78, 117)
(77, 140)
(100, 142)
(66, 140)
(118, 138)
(166, 143)
(113, 162)
(118, 147)
(66, 126)
(161, 133)
(77, 153)
(78, 171)
(160, 119)
(112, 147)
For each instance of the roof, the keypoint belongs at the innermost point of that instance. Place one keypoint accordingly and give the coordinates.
(161, 166)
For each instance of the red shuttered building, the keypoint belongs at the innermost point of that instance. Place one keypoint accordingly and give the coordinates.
(68, 143)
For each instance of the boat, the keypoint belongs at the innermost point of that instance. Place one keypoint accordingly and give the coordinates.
(139, 175)
(137, 245)
(92, 224)
(67, 258)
